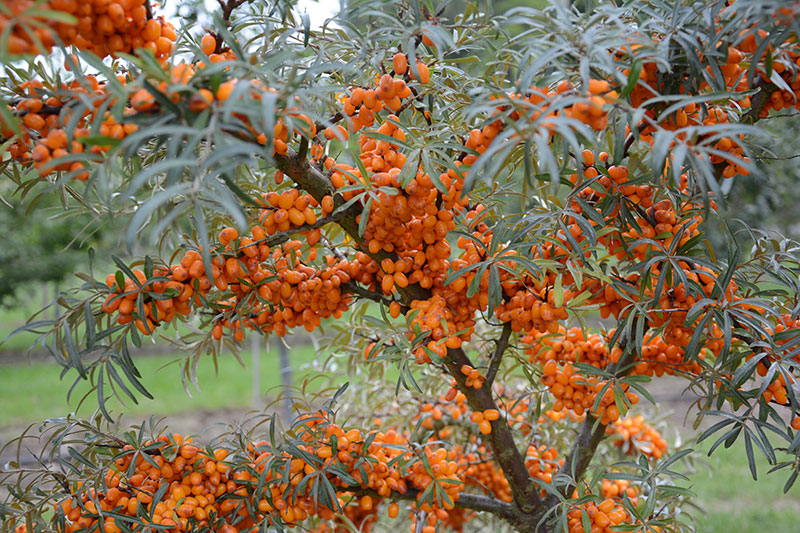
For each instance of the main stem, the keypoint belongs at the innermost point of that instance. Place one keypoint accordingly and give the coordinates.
(526, 501)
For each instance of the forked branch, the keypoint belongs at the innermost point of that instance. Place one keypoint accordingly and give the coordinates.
(526, 500)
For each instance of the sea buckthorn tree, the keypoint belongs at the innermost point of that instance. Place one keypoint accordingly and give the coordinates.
(494, 222)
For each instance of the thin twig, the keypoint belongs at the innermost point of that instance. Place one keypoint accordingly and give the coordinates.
(476, 502)
(228, 7)
(420, 521)
(58, 477)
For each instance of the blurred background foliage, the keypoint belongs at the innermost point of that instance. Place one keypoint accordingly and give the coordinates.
(42, 247)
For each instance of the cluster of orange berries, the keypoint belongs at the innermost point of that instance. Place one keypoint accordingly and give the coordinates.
(46, 143)
(570, 345)
(785, 63)
(618, 489)
(277, 288)
(453, 403)
(613, 179)
(301, 295)
(26, 32)
(177, 296)
(659, 358)
(44, 140)
(432, 314)
(536, 104)
(661, 225)
(289, 210)
(606, 514)
(362, 104)
(209, 46)
(531, 307)
(483, 473)
(656, 356)
(571, 390)
(634, 436)
(414, 225)
(603, 517)
(598, 93)
(577, 392)
(201, 489)
(197, 488)
(104, 27)
(292, 124)
(378, 155)
(675, 301)
(734, 70)
(542, 463)
(658, 224)
(390, 466)
(776, 390)
(484, 419)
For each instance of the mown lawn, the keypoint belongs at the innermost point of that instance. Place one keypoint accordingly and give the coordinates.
(734, 502)
(32, 392)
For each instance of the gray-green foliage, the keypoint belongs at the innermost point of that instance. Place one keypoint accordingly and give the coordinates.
(185, 174)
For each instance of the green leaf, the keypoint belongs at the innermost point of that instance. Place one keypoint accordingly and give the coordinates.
(558, 292)
(387, 138)
(101, 399)
(72, 352)
(633, 79)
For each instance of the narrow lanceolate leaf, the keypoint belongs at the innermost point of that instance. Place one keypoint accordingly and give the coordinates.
(72, 352)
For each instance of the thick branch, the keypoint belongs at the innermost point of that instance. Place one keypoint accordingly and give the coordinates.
(501, 440)
(580, 456)
(497, 357)
(758, 100)
(589, 436)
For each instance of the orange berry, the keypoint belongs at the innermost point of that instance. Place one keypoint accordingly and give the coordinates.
(209, 44)
(400, 63)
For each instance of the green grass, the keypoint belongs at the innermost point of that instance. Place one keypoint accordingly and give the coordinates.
(32, 392)
(733, 501)
(13, 317)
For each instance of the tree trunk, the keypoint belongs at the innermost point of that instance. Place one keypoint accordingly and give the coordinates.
(255, 368)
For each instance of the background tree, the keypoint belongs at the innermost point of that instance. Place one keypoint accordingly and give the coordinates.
(454, 219)
(39, 250)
